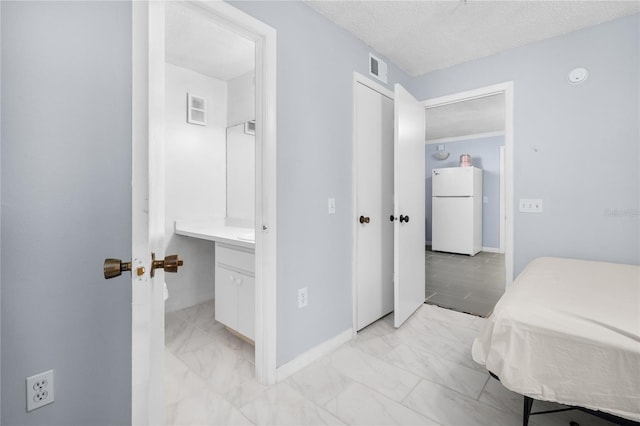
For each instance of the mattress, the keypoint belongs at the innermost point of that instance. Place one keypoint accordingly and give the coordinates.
(568, 331)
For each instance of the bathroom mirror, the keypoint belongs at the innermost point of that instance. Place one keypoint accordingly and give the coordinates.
(241, 173)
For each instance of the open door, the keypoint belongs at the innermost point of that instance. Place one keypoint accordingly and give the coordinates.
(409, 199)
(147, 309)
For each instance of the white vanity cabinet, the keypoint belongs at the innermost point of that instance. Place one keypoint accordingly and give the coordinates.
(235, 288)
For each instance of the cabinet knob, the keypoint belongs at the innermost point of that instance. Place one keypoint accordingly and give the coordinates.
(392, 218)
(364, 219)
(404, 218)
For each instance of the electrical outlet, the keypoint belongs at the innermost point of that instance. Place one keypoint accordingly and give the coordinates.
(303, 298)
(40, 390)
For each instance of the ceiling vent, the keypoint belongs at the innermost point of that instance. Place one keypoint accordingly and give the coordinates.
(377, 68)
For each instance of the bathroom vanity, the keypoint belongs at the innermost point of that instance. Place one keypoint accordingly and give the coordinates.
(234, 272)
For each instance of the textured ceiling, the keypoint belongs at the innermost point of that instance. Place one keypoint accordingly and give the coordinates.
(193, 42)
(422, 36)
(470, 117)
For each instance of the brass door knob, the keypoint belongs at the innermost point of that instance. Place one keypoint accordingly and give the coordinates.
(364, 219)
(115, 267)
(170, 263)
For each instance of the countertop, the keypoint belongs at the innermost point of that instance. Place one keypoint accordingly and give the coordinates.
(217, 231)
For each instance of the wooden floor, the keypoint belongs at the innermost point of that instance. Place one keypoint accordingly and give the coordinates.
(471, 284)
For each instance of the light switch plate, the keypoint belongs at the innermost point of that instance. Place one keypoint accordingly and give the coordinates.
(530, 205)
(331, 206)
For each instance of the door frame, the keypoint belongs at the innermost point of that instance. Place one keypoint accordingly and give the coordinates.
(506, 88)
(365, 81)
(148, 133)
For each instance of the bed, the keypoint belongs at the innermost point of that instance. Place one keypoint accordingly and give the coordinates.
(568, 331)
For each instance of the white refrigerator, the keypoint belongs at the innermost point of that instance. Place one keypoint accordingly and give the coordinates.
(456, 225)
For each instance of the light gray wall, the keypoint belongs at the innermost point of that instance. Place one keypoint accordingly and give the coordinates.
(485, 154)
(316, 61)
(576, 147)
(66, 206)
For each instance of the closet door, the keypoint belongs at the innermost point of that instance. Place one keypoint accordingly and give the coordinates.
(374, 205)
(409, 194)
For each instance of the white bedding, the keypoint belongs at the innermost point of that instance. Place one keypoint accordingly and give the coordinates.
(569, 331)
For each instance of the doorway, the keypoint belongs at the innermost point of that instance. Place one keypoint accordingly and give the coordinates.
(209, 182)
(476, 123)
(149, 132)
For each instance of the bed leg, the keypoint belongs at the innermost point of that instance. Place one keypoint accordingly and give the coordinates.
(526, 411)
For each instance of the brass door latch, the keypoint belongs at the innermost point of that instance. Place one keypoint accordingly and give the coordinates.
(170, 263)
(115, 267)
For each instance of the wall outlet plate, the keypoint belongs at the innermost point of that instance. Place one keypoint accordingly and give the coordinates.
(40, 390)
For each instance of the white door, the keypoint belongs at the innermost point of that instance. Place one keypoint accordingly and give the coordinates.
(374, 205)
(409, 195)
(147, 351)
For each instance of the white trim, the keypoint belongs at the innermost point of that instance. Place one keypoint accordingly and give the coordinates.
(367, 82)
(509, 180)
(508, 89)
(491, 249)
(317, 352)
(502, 201)
(487, 249)
(464, 138)
(264, 37)
(468, 95)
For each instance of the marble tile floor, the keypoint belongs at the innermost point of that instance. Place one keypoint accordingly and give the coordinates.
(471, 284)
(419, 374)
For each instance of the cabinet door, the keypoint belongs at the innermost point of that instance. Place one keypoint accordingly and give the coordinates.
(246, 305)
(226, 297)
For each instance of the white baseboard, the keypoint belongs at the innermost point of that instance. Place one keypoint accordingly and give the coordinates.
(491, 249)
(487, 249)
(312, 354)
